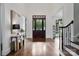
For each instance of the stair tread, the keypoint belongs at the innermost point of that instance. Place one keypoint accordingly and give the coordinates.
(66, 53)
(73, 49)
(76, 43)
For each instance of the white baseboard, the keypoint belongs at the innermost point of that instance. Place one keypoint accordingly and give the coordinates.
(5, 52)
(61, 53)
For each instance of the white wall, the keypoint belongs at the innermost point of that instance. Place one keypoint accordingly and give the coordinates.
(65, 11)
(0, 29)
(68, 13)
(41, 9)
(52, 12)
(68, 16)
(2, 21)
(76, 21)
(6, 22)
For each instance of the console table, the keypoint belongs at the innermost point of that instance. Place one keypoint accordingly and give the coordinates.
(16, 42)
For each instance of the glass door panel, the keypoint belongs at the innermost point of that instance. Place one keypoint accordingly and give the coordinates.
(38, 24)
(33, 24)
(44, 22)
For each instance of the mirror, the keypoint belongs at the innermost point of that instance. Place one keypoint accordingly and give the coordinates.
(17, 23)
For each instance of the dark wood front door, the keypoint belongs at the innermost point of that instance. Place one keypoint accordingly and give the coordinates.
(39, 29)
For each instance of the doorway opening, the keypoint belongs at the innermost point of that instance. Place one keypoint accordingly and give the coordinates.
(39, 28)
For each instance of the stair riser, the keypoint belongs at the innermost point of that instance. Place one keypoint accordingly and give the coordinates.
(75, 45)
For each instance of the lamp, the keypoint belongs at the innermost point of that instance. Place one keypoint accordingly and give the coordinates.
(15, 26)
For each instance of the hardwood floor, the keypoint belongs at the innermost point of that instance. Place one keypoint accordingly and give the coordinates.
(48, 48)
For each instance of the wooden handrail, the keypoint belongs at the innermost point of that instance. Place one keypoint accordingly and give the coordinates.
(67, 24)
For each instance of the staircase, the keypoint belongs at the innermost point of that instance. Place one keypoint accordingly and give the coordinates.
(67, 47)
(71, 50)
(66, 53)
